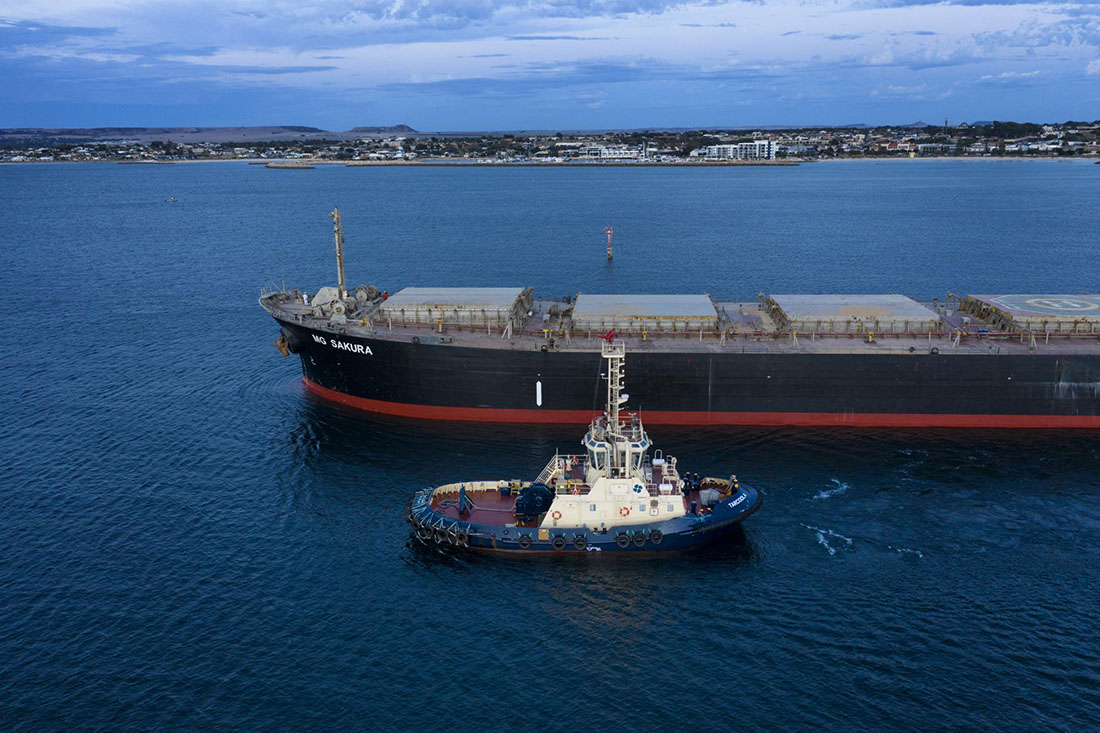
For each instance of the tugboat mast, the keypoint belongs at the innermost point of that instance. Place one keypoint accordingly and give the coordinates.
(615, 353)
(338, 230)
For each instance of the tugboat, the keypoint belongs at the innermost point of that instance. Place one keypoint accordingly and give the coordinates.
(613, 497)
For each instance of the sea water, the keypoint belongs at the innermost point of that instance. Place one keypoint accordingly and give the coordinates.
(188, 540)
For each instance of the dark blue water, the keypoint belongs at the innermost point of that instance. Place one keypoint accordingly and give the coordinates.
(187, 540)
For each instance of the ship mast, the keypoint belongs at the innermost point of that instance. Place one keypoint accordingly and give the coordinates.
(338, 230)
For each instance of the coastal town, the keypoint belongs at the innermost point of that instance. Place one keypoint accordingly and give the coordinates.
(301, 147)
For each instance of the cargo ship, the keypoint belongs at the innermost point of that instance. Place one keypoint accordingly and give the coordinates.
(502, 354)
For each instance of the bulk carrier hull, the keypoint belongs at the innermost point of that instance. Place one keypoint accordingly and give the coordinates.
(447, 381)
(496, 354)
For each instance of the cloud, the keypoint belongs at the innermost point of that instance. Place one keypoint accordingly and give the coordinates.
(163, 49)
(555, 38)
(270, 70)
(916, 92)
(962, 3)
(25, 32)
(684, 57)
(480, 10)
(1080, 30)
(919, 59)
(1010, 76)
(530, 78)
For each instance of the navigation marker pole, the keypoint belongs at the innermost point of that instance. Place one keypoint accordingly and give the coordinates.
(608, 231)
(339, 232)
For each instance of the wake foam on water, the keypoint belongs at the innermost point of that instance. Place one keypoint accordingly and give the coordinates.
(823, 536)
(839, 487)
(833, 541)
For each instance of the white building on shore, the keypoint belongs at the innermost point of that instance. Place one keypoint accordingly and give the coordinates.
(612, 152)
(756, 150)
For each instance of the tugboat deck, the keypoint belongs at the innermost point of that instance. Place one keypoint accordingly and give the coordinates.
(492, 508)
(487, 507)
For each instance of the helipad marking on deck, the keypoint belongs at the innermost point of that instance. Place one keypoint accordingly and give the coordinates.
(1063, 304)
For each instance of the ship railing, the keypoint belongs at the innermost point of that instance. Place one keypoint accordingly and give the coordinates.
(551, 468)
(780, 342)
(655, 491)
(557, 467)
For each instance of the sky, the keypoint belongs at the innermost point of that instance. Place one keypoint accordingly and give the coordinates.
(450, 65)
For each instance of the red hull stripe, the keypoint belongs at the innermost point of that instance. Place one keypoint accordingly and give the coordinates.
(685, 417)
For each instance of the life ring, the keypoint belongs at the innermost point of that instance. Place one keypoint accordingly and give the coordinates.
(556, 515)
(575, 490)
(558, 543)
(639, 539)
(524, 541)
(624, 511)
(580, 542)
(656, 536)
(622, 540)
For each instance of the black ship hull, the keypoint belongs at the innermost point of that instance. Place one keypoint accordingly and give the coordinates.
(452, 382)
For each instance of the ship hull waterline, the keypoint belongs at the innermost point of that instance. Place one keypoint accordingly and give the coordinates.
(436, 381)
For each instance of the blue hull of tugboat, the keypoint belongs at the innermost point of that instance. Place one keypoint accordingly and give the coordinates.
(682, 533)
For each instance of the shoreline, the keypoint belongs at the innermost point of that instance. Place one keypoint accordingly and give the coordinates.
(967, 158)
(305, 163)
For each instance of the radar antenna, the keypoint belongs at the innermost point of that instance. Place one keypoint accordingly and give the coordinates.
(338, 230)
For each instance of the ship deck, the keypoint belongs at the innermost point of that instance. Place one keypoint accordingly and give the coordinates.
(744, 327)
(493, 509)
(488, 507)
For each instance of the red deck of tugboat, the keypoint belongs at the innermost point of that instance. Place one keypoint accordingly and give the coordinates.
(488, 507)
